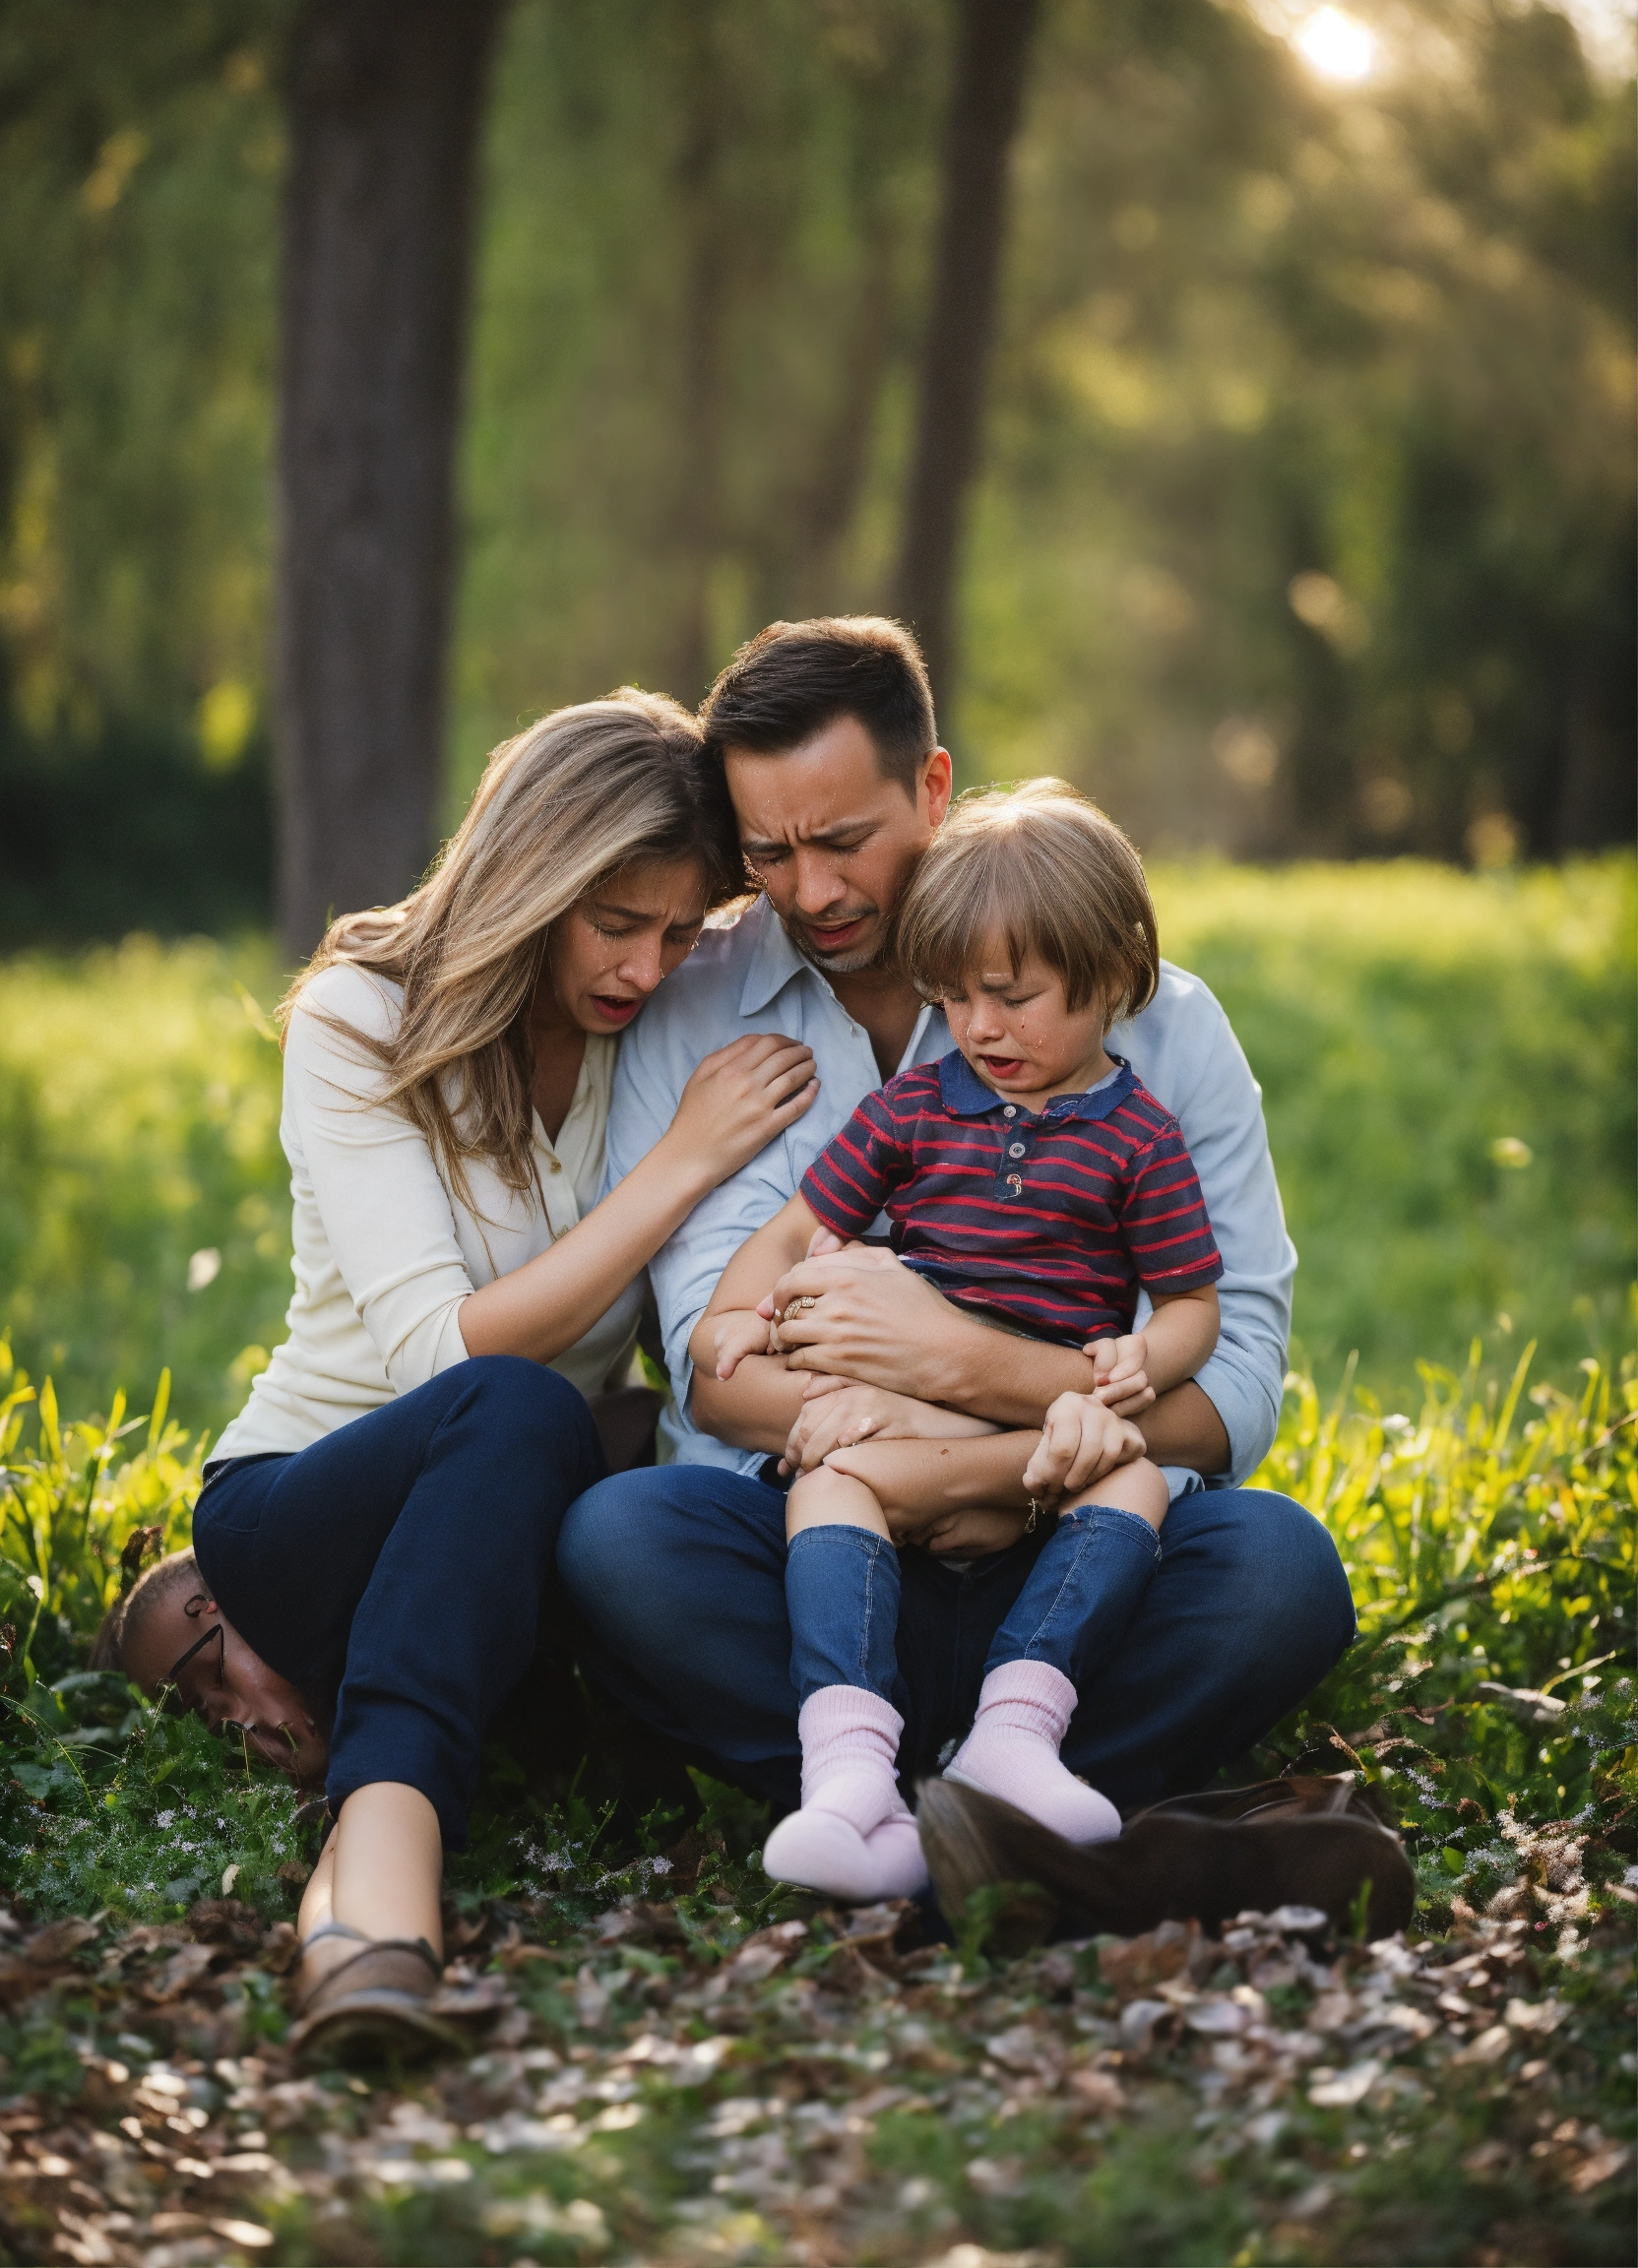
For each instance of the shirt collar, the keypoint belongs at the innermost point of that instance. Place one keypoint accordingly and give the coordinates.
(773, 963)
(965, 1096)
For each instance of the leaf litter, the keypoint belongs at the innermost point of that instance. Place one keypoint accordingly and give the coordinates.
(826, 2089)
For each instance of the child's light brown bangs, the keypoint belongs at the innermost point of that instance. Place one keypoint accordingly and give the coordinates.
(1040, 872)
(963, 933)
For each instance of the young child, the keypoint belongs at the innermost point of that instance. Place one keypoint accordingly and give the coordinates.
(1032, 1178)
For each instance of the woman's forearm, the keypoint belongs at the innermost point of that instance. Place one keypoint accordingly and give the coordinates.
(553, 1299)
(925, 1488)
(755, 1409)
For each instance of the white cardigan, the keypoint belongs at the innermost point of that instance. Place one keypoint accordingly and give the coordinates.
(384, 1252)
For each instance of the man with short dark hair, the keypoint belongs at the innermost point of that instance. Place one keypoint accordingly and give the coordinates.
(827, 736)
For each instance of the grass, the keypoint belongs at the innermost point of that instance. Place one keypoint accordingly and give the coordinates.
(138, 1157)
(1446, 1060)
(679, 2061)
(734, 2073)
(1447, 1065)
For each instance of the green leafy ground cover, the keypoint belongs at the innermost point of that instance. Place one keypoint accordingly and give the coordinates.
(672, 2059)
(1447, 1063)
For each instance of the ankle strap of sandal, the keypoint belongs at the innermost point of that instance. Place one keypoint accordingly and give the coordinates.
(376, 1945)
(332, 1930)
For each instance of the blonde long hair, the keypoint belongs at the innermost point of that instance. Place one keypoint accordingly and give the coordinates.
(577, 798)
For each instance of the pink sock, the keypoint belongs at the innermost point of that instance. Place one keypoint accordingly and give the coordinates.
(853, 1837)
(1012, 1751)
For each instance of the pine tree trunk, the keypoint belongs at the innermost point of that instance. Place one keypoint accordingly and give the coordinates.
(986, 104)
(385, 99)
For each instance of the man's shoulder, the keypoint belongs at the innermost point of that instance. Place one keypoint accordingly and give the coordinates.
(1181, 1046)
(1186, 1019)
(1183, 1000)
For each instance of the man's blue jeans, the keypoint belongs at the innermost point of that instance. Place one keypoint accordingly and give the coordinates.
(679, 1573)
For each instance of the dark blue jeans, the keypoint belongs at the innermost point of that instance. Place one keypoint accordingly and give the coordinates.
(395, 1569)
(1079, 1598)
(678, 1574)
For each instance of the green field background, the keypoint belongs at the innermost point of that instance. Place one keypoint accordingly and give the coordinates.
(1447, 1064)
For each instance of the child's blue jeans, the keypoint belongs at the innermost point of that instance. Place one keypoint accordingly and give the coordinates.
(1078, 1601)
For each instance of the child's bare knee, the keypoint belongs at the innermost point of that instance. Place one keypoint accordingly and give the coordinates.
(1139, 1487)
(822, 1498)
(811, 1496)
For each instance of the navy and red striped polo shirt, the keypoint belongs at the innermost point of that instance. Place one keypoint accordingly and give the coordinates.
(1047, 1223)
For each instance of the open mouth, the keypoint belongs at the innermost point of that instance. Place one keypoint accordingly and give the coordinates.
(612, 1010)
(1003, 1066)
(836, 937)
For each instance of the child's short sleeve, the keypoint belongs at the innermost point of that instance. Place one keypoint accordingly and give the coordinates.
(1163, 1218)
(858, 1170)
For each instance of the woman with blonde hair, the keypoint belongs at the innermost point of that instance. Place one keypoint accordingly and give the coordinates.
(378, 1522)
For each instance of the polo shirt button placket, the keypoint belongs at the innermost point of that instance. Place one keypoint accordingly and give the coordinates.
(1013, 1153)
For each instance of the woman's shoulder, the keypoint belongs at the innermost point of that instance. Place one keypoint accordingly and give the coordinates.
(347, 997)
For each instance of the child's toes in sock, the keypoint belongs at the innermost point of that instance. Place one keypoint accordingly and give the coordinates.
(853, 1837)
(818, 1850)
(1012, 1751)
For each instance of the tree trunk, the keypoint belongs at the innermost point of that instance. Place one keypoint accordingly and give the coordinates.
(704, 344)
(385, 98)
(985, 102)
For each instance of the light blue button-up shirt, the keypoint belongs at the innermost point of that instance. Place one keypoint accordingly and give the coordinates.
(750, 978)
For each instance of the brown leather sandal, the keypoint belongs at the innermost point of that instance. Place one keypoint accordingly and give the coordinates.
(375, 2003)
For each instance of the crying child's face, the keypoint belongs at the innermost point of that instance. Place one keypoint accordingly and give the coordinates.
(1016, 1030)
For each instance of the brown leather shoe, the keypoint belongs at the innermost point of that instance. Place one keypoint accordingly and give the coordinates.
(1301, 1842)
(375, 2003)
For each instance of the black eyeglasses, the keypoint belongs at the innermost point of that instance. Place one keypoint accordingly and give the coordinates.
(193, 1610)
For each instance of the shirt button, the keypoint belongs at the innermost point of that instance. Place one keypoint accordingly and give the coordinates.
(1010, 1112)
(1015, 1150)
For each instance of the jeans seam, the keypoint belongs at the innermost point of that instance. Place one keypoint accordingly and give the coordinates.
(869, 1608)
(1044, 1624)
(1088, 1532)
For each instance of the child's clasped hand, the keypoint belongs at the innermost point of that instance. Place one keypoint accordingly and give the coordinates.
(1081, 1440)
(1121, 1373)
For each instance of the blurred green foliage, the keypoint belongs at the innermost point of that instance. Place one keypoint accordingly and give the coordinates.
(1490, 1548)
(1448, 1073)
(1446, 1062)
(110, 1804)
(139, 1133)
(1306, 519)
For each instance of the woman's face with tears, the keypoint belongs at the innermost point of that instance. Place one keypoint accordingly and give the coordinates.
(618, 943)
